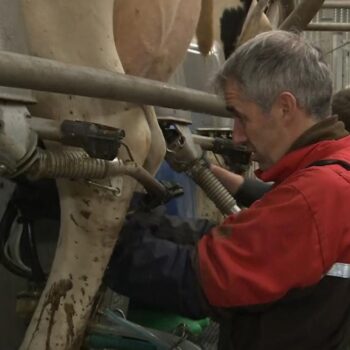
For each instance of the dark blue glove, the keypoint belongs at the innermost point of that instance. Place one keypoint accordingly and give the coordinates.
(154, 271)
(252, 190)
(171, 228)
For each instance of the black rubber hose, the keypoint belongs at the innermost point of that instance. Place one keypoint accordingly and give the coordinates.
(6, 223)
(38, 274)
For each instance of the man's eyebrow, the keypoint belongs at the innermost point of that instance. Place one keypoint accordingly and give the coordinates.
(231, 109)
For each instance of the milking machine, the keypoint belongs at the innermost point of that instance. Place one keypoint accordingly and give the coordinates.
(92, 153)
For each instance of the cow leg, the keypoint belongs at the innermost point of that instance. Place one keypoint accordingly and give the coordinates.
(156, 154)
(80, 32)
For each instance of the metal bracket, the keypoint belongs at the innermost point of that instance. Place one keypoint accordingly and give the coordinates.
(181, 149)
(98, 141)
(116, 185)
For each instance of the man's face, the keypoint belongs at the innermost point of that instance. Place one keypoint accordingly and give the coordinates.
(263, 133)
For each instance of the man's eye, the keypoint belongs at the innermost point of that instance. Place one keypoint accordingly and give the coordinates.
(230, 109)
(242, 119)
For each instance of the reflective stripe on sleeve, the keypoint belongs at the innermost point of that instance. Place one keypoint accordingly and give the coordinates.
(339, 270)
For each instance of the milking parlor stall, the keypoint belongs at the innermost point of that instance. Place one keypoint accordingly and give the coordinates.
(106, 108)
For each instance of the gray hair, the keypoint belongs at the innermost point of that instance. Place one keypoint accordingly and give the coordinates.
(278, 61)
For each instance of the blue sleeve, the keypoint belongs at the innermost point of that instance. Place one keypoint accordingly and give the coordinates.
(156, 272)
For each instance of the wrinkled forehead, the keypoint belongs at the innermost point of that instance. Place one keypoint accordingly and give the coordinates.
(234, 95)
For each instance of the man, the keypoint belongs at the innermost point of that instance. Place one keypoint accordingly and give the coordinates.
(249, 190)
(276, 275)
(341, 106)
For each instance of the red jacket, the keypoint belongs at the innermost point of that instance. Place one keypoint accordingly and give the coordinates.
(288, 239)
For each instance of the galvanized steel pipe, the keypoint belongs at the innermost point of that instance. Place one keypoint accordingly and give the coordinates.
(41, 74)
(206, 143)
(336, 4)
(49, 129)
(329, 27)
(302, 15)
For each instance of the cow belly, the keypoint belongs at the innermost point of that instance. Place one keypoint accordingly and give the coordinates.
(159, 31)
(80, 32)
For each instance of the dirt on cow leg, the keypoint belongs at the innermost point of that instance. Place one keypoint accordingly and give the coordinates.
(57, 291)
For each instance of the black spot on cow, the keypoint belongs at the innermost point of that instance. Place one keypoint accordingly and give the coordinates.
(231, 23)
(86, 214)
(87, 202)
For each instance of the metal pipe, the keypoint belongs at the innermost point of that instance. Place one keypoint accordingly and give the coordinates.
(42, 74)
(302, 15)
(140, 174)
(47, 129)
(329, 27)
(336, 4)
(206, 143)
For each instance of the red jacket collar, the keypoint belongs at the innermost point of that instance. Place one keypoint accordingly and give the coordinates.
(301, 158)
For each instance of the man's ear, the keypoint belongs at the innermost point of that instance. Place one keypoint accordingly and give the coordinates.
(287, 105)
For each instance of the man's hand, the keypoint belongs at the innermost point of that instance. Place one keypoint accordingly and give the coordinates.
(148, 266)
(230, 180)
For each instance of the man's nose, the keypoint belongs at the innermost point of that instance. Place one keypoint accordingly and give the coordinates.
(238, 135)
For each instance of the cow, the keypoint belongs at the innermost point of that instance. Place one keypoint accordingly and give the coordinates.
(147, 38)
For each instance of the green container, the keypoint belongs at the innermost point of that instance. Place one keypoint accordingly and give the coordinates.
(167, 322)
